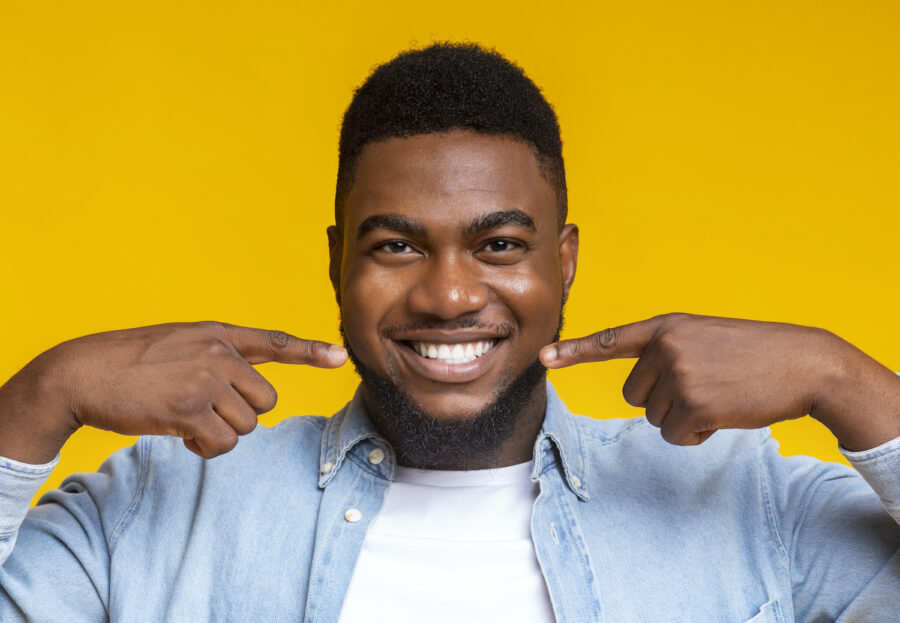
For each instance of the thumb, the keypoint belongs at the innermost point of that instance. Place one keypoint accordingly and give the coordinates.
(623, 342)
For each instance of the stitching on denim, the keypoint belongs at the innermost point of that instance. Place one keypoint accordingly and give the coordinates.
(569, 513)
(768, 506)
(322, 572)
(598, 436)
(366, 467)
(143, 448)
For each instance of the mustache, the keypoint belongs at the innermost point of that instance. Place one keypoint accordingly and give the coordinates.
(505, 328)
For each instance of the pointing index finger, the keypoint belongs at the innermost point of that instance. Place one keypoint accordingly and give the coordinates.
(265, 345)
(622, 342)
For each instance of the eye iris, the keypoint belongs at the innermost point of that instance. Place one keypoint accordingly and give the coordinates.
(499, 245)
(397, 247)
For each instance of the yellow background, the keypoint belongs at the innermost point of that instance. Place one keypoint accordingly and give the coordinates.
(165, 161)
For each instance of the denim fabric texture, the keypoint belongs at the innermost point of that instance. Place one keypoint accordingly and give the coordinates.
(627, 528)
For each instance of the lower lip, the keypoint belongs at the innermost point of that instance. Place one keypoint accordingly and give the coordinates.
(443, 372)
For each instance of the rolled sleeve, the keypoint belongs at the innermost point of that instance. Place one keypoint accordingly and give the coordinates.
(880, 466)
(19, 483)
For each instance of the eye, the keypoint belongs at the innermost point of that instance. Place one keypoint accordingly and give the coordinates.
(499, 246)
(394, 247)
(502, 250)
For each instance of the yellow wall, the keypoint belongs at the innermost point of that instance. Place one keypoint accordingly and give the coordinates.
(165, 161)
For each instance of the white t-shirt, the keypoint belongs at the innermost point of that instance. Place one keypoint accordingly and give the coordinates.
(451, 546)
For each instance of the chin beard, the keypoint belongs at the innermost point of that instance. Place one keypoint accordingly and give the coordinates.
(423, 441)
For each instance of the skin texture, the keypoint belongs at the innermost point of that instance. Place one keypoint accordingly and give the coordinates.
(450, 255)
(697, 374)
(447, 238)
(191, 380)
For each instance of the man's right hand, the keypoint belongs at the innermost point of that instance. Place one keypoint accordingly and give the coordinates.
(191, 380)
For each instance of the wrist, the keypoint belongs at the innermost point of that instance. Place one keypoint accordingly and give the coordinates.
(857, 399)
(35, 419)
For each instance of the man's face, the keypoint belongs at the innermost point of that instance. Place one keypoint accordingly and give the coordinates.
(450, 268)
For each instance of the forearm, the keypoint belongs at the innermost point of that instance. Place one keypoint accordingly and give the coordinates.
(858, 400)
(34, 418)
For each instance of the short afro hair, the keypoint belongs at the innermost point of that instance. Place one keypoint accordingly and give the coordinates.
(449, 86)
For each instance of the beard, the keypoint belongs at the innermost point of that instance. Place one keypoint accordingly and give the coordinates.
(424, 441)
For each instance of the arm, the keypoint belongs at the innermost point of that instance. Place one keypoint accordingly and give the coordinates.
(190, 380)
(57, 562)
(698, 374)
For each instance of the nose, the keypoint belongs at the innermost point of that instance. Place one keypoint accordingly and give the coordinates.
(449, 288)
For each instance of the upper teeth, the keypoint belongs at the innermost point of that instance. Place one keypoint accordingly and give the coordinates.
(462, 352)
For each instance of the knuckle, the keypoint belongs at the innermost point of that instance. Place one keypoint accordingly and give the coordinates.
(191, 404)
(681, 372)
(247, 425)
(277, 340)
(222, 443)
(217, 348)
(630, 393)
(606, 339)
(269, 398)
(212, 326)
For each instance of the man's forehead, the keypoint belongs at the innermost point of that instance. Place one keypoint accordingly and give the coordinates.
(432, 172)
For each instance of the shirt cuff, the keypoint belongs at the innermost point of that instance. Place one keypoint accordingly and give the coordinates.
(19, 482)
(880, 466)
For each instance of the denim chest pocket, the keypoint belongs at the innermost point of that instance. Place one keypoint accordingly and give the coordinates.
(770, 612)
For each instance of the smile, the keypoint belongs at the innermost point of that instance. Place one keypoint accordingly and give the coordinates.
(460, 352)
(445, 358)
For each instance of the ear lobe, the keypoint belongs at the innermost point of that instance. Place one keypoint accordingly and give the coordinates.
(568, 256)
(335, 255)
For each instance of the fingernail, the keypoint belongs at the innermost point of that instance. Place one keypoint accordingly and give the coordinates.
(337, 352)
(551, 354)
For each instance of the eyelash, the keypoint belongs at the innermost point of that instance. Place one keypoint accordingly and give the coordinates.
(385, 246)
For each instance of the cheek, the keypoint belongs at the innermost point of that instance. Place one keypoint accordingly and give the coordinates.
(534, 298)
(366, 300)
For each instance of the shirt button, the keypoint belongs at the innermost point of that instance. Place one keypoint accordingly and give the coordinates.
(353, 515)
(576, 481)
(327, 467)
(376, 456)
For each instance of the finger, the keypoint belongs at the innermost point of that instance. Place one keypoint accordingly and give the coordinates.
(211, 435)
(232, 408)
(682, 429)
(626, 341)
(659, 403)
(252, 386)
(264, 345)
(641, 381)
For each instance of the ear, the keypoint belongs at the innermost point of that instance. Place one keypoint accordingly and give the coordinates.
(568, 256)
(336, 254)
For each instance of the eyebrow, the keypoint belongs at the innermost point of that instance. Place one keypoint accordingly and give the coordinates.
(405, 225)
(393, 222)
(499, 219)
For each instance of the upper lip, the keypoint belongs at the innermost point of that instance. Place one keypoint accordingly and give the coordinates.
(451, 336)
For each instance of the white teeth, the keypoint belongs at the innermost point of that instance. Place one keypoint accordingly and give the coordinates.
(453, 353)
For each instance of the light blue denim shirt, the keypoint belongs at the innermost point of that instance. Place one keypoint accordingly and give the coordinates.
(627, 528)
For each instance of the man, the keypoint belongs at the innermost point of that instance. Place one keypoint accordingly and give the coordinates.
(455, 485)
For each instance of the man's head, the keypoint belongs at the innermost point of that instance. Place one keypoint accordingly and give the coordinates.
(444, 87)
(450, 258)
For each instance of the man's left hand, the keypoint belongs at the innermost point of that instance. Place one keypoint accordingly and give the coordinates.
(697, 374)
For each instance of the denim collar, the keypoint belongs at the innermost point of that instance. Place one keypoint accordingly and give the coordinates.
(559, 435)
